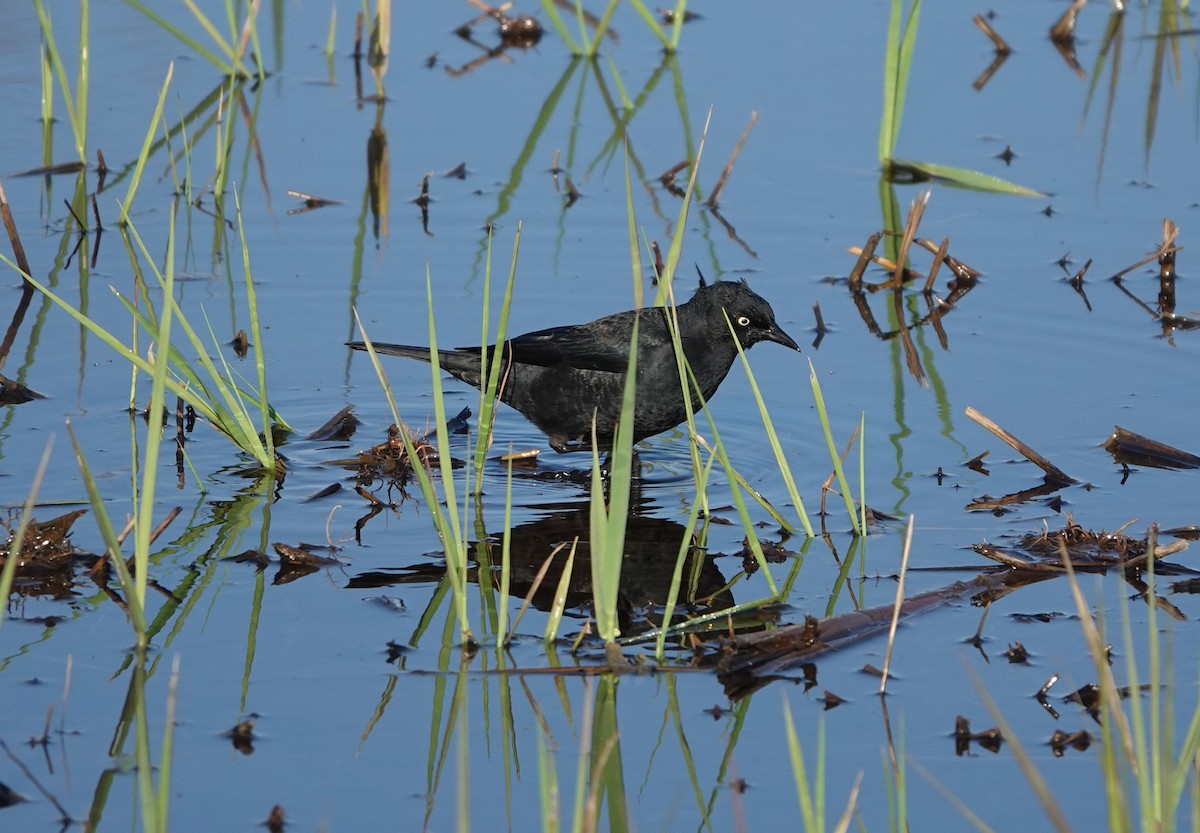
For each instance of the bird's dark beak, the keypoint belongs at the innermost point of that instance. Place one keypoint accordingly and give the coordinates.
(775, 334)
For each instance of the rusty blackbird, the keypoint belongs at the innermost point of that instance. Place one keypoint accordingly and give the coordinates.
(561, 377)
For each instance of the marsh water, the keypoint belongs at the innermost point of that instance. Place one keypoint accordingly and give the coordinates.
(366, 709)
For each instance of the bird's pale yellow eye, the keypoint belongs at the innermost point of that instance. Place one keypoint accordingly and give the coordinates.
(743, 321)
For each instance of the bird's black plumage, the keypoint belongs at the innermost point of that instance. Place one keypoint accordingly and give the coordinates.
(558, 378)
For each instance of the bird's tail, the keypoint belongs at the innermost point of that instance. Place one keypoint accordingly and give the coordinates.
(420, 353)
(463, 364)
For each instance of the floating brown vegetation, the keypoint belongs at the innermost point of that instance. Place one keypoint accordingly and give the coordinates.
(1132, 449)
(900, 276)
(1085, 550)
(519, 31)
(388, 461)
(49, 564)
(310, 202)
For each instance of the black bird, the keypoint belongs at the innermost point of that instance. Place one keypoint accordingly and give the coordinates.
(559, 378)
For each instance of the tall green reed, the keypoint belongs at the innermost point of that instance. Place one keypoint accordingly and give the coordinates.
(898, 57)
(76, 103)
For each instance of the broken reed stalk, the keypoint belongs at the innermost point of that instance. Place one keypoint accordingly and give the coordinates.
(14, 236)
(938, 258)
(1053, 472)
(891, 640)
(865, 256)
(916, 211)
(1165, 253)
(711, 202)
(1077, 278)
(1002, 47)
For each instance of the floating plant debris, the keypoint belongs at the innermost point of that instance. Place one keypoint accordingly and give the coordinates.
(1136, 450)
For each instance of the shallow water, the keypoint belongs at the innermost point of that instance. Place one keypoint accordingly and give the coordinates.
(351, 733)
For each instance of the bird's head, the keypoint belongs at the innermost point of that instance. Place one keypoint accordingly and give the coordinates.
(751, 316)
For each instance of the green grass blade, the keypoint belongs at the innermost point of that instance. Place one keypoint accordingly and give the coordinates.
(144, 525)
(260, 361)
(653, 24)
(685, 548)
(18, 535)
(225, 65)
(608, 523)
(560, 26)
(901, 38)
(492, 359)
(60, 71)
(144, 155)
(843, 486)
(601, 27)
(772, 437)
(959, 177)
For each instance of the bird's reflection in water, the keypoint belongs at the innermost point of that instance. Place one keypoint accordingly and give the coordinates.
(651, 548)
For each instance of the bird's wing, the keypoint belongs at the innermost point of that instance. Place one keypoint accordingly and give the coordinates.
(579, 347)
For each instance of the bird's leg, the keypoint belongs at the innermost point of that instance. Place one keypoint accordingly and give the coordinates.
(564, 446)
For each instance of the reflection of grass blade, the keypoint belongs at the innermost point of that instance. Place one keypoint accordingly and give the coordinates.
(685, 550)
